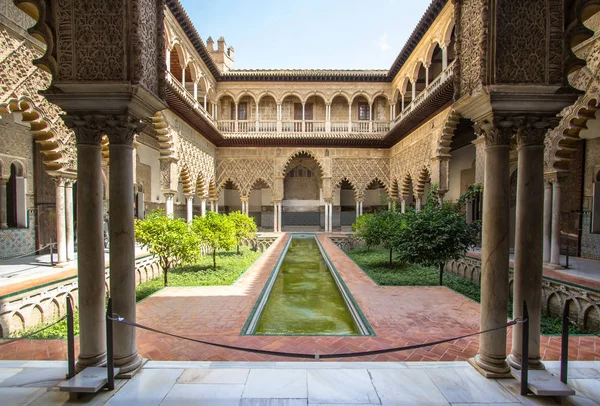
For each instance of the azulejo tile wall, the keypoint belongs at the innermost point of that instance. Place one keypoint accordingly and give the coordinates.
(18, 241)
(590, 243)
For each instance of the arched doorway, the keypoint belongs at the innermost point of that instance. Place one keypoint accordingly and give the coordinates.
(260, 202)
(230, 198)
(376, 198)
(302, 194)
(347, 199)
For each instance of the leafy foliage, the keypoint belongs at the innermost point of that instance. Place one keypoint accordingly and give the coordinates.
(168, 238)
(243, 227)
(380, 229)
(215, 231)
(435, 235)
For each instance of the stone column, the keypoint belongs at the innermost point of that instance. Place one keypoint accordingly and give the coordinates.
(275, 226)
(528, 263)
(3, 216)
(202, 207)
(555, 250)
(418, 203)
(244, 200)
(212, 205)
(403, 206)
(61, 232)
(279, 216)
(69, 220)
(189, 206)
(360, 206)
(169, 208)
(120, 131)
(330, 217)
(326, 220)
(357, 209)
(217, 206)
(491, 359)
(90, 241)
(547, 220)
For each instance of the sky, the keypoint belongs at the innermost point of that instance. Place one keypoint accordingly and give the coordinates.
(308, 34)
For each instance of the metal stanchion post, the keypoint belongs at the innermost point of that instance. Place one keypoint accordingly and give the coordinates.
(525, 352)
(70, 339)
(110, 362)
(564, 345)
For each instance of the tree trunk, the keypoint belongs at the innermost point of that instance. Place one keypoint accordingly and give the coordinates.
(441, 273)
(390, 257)
(215, 259)
(166, 275)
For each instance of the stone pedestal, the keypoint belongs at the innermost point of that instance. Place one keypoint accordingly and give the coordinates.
(491, 359)
(69, 220)
(61, 232)
(122, 241)
(528, 262)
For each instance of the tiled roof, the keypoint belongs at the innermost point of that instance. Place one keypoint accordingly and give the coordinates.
(350, 75)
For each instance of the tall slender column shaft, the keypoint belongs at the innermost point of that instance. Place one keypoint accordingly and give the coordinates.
(3, 218)
(90, 241)
(170, 210)
(202, 207)
(357, 209)
(547, 220)
(279, 215)
(528, 264)
(360, 206)
(555, 250)
(61, 232)
(122, 241)
(275, 212)
(491, 359)
(189, 208)
(403, 206)
(69, 220)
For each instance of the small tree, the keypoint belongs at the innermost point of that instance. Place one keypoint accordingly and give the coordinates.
(380, 229)
(436, 234)
(243, 227)
(169, 239)
(216, 231)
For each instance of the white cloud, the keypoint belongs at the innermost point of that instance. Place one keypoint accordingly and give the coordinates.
(383, 42)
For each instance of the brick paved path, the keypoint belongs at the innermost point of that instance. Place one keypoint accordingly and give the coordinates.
(399, 316)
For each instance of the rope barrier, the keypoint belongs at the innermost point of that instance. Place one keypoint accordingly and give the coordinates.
(4, 259)
(33, 333)
(119, 319)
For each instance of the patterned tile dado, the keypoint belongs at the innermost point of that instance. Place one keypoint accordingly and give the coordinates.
(18, 241)
(590, 243)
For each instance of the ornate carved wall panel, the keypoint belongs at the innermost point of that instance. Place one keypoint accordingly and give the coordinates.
(471, 44)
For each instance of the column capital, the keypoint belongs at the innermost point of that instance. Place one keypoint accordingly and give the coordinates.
(533, 130)
(189, 197)
(88, 128)
(244, 198)
(59, 181)
(121, 129)
(499, 131)
(169, 195)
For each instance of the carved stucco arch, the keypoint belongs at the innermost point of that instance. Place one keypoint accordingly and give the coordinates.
(429, 53)
(447, 132)
(561, 141)
(447, 33)
(245, 93)
(363, 94)
(246, 172)
(291, 93)
(359, 172)
(371, 181)
(265, 93)
(423, 178)
(340, 93)
(224, 93)
(50, 135)
(407, 186)
(318, 94)
(312, 154)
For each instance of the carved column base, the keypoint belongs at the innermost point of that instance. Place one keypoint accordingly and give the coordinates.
(491, 368)
(129, 366)
(514, 360)
(84, 362)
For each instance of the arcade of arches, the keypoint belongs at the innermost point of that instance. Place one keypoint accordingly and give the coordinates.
(296, 149)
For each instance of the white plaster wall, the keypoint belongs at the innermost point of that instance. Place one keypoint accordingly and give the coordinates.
(149, 156)
(231, 198)
(266, 197)
(461, 159)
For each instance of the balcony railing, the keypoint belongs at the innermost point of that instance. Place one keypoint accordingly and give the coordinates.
(189, 98)
(442, 78)
(306, 126)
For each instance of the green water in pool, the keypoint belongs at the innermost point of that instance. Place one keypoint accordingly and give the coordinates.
(305, 298)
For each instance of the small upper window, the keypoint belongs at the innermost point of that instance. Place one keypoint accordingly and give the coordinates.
(363, 111)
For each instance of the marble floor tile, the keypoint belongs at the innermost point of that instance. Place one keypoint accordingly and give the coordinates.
(20, 396)
(276, 383)
(36, 377)
(11, 364)
(341, 386)
(588, 387)
(578, 373)
(214, 376)
(203, 394)
(56, 398)
(465, 385)
(45, 364)
(148, 387)
(273, 402)
(406, 387)
(176, 364)
(6, 373)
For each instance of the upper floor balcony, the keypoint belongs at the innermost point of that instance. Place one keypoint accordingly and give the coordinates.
(295, 114)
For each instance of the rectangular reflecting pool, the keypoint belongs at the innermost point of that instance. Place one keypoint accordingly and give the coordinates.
(305, 296)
